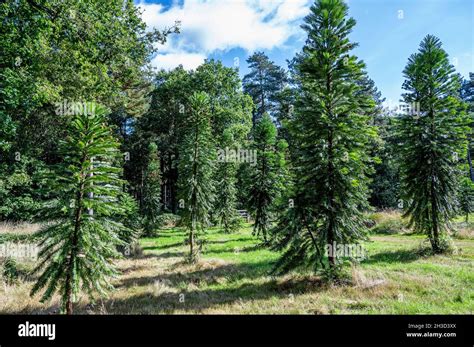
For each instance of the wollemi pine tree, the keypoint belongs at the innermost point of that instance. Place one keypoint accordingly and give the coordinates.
(265, 178)
(431, 140)
(330, 134)
(196, 168)
(226, 194)
(79, 242)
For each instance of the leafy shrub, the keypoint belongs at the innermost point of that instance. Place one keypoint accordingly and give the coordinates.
(130, 217)
(463, 230)
(387, 222)
(131, 221)
(10, 271)
(167, 220)
(19, 194)
(163, 221)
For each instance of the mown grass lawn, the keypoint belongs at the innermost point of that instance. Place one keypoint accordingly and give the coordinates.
(232, 276)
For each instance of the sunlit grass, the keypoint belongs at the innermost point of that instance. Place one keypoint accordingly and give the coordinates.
(233, 276)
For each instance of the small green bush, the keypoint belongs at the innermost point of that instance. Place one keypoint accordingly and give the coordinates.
(167, 220)
(163, 221)
(387, 222)
(10, 271)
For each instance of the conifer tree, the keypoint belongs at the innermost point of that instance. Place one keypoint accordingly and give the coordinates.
(431, 139)
(79, 242)
(330, 134)
(226, 191)
(196, 169)
(231, 113)
(263, 83)
(265, 178)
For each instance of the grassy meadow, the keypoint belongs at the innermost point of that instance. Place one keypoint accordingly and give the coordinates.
(233, 276)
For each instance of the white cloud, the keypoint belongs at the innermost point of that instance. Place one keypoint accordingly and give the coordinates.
(220, 25)
(190, 61)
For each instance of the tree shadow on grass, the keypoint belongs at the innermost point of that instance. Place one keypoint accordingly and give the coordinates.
(399, 256)
(206, 242)
(240, 239)
(156, 248)
(224, 273)
(198, 300)
(162, 236)
(162, 255)
(235, 250)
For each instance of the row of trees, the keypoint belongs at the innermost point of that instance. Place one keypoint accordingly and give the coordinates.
(216, 153)
(305, 151)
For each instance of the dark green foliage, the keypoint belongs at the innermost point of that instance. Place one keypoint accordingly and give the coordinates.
(196, 170)
(129, 216)
(58, 52)
(466, 196)
(285, 101)
(330, 134)
(226, 198)
(226, 190)
(467, 94)
(230, 112)
(164, 125)
(230, 109)
(79, 242)
(385, 184)
(431, 141)
(266, 178)
(466, 189)
(19, 195)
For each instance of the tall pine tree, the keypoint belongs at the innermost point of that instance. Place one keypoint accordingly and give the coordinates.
(431, 141)
(79, 242)
(196, 169)
(263, 83)
(330, 135)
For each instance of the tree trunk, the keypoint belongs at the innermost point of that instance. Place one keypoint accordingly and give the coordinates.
(330, 236)
(434, 217)
(69, 310)
(191, 245)
(74, 241)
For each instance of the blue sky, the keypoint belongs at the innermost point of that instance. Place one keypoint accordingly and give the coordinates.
(387, 31)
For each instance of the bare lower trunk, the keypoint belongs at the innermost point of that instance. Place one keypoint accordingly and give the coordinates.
(191, 243)
(68, 295)
(434, 216)
(330, 236)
